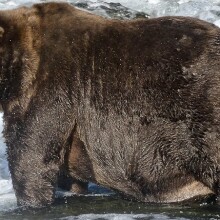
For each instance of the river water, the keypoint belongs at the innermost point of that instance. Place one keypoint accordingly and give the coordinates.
(102, 204)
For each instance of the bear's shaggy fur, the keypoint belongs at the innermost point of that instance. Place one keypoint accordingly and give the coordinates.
(131, 105)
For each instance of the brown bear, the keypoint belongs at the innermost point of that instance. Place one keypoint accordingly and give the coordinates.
(131, 105)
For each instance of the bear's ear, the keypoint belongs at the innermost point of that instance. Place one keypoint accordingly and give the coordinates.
(1, 32)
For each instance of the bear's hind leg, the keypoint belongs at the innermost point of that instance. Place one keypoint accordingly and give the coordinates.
(68, 183)
(77, 169)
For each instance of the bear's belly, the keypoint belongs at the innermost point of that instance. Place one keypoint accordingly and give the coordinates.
(193, 191)
(145, 162)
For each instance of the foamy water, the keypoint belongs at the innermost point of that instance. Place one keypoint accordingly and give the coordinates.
(208, 10)
(119, 217)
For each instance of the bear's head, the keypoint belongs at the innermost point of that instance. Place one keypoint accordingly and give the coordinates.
(18, 56)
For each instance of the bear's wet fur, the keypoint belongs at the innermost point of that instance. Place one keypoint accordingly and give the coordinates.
(131, 105)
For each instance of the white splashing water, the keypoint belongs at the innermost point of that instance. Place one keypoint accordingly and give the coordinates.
(208, 10)
(7, 197)
(119, 217)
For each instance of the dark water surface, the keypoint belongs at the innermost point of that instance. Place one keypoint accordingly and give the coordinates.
(113, 207)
